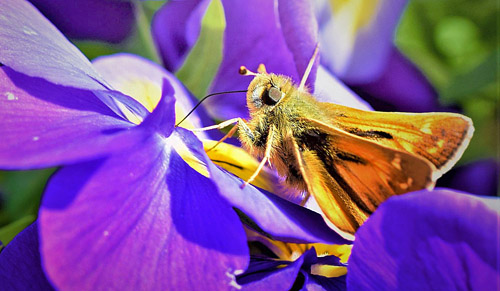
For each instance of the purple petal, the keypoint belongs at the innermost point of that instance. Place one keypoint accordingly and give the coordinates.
(142, 219)
(275, 278)
(358, 55)
(30, 44)
(296, 223)
(479, 177)
(252, 36)
(401, 87)
(175, 28)
(110, 21)
(20, 266)
(162, 119)
(300, 29)
(329, 89)
(45, 125)
(314, 282)
(440, 240)
(374, 42)
(125, 72)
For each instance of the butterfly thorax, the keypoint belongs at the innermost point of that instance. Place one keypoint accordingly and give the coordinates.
(275, 102)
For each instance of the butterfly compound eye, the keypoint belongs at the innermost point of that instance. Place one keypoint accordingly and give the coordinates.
(272, 96)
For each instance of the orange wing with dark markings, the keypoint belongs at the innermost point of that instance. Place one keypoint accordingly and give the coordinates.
(439, 137)
(351, 187)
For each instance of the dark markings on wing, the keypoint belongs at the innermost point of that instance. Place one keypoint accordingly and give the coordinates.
(317, 141)
(348, 157)
(370, 133)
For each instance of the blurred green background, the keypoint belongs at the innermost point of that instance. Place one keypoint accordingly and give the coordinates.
(454, 42)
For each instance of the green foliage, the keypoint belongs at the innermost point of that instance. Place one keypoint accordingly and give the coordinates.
(455, 44)
(20, 193)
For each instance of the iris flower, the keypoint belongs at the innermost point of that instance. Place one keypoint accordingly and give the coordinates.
(126, 210)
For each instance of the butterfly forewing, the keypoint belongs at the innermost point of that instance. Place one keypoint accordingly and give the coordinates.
(438, 137)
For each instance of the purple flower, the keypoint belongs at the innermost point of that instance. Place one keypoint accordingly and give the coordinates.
(127, 210)
(110, 21)
(438, 240)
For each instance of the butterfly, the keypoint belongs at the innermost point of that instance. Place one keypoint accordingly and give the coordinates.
(349, 160)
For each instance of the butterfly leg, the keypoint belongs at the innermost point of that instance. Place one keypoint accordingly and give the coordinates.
(267, 155)
(228, 135)
(220, 125)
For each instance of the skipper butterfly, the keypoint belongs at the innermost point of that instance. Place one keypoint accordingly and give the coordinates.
(348, 159)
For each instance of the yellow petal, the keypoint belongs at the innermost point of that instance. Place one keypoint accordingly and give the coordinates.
(237, 161)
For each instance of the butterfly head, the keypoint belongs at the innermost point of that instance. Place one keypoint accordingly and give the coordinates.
(265, 91)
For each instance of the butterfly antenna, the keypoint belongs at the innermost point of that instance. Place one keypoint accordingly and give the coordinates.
(309, 68)
(246, 72)
(204, 98)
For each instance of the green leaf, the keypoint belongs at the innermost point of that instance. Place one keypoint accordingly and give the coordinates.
(20, 193)
(465, 85)
(8, 232)
(203, 61)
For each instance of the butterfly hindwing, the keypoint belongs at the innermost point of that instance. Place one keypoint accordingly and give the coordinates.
(357, 175)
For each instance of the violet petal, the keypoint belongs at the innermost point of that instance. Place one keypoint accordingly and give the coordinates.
(142, 219)
(437, 240)
(24, 31)
(315, 282)
(162, 119)
(175, 28)
(20, 265)
(125, 71)
(478, 177)
(46, 125)
(276, 278)
(110, 21)
(31, 45)
(300, 29)
(400, 87)
(329, 89)
(252, 36)
(358, 54)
